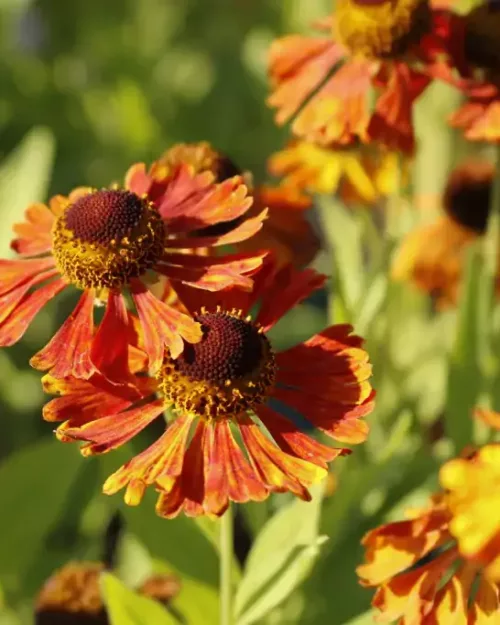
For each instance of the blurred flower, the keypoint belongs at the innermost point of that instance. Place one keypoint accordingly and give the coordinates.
(441, 565)
(359, 175)
(221, 391)
(286, 230)
(432, 256)
(327, 82)
(72, 595)
(113, 241)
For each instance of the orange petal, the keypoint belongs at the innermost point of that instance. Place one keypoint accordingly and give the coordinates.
(229, 476)
(279, 471)
(486, 604)
(294, 442)
(212, 274)
(107, 433)
(14, 273)
(162, 461)
(34, 234)
(13, 328)
(10, 300)
(188, 490)
(163, 326)
(489, 417)
(68, 352)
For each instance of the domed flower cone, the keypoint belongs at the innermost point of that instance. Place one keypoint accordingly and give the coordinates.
(232, 436)
(111, 242)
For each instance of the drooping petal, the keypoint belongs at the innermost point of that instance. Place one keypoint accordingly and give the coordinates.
(188, 490)
(242, 232)
(293, 287)
(82, 401)
(279, 471)
(14, 273)
(163, 326)
(486, 604)
(297, 66)
(68, 352)
(110, 354)
(112, 431)
(294, 442)
(339, 112)
(162, 461)
(209, 273)
(10, 300)
(229, 475)
(391, 123)
(34, 234)
(13, 328)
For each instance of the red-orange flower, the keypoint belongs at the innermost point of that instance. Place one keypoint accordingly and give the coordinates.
(422, 568)
(327, 82)
(432, 256)
(229, 391)
(286, 231)
(112, 241)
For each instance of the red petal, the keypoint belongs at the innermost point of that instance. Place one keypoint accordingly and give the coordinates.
(34, 235)
(217, 203)
(110, 345)
(293, 441)
(13, 328)
(110, 432)
(240, 233)
(162, 326)
(210, 273)
(163, 460)
(83, 401)
(293, 286)
(68, 352)
(188, 491)
(13, 273)
(10, 300)
(229, 476)
(279, 471)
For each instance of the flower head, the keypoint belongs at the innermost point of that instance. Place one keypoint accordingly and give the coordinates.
(368, 48)
(115, 241)
(358, 175)
(441, 565)
(286, 231)
(230, 391)
(433, 255)
(72, 595)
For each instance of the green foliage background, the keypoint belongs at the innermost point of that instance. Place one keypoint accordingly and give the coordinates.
(86, 89)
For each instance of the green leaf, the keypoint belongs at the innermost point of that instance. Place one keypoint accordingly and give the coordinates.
(464, 375)
(281, 558)
(24, 178)
(125, 607)
(35, 484)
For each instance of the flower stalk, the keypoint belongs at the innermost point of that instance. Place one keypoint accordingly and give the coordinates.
(226, 563)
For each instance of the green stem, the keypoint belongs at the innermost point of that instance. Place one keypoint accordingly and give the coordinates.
(226, 564)
(492, 242)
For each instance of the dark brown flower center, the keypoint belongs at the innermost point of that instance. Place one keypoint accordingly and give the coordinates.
(467, 196)
(104, 216)
(230, 349)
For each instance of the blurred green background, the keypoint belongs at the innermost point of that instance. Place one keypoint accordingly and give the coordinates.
(86, 89)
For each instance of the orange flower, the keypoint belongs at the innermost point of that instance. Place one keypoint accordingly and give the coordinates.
(221, 391)
(423, 573)
(72, 595)
(286, 230)
(367, 46)
(432, 256)
(359, 175)
(107, 243)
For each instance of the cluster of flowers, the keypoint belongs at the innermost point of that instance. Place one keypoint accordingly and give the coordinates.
(177, 335)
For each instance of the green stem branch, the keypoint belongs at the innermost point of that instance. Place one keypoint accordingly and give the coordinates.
(226, 564)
